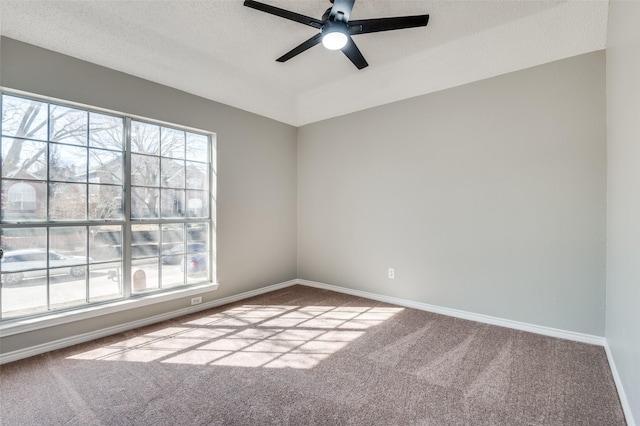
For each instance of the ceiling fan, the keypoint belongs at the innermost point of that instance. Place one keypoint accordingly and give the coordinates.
(336, 29)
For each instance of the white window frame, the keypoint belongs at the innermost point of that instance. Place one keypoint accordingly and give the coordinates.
(128, 300)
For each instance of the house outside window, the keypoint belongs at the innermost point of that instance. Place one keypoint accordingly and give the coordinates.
(22, 197)
(127, 201)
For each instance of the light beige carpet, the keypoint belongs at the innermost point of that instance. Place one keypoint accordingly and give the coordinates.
(303, 356)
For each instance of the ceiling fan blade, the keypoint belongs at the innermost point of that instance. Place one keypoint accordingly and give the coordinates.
(301, 48)
(354, 54)
(312, 22)
(341, 6)
(387, 24)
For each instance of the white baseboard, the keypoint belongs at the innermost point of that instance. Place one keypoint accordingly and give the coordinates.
(86, 337)
(626, 408)
(538, 329)
(81, 338)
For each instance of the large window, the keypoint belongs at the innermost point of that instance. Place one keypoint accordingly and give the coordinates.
(96, 206)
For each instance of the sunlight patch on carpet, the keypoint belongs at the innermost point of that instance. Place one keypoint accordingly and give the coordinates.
(253, 336)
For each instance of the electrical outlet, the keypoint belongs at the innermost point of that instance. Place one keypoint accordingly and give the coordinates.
(392, 273)
(196, 300)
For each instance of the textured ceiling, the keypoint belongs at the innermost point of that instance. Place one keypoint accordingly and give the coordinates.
(221, 50)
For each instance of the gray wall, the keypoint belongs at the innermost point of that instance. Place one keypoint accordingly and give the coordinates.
(623, 179)
(488, 198)
(256, 238)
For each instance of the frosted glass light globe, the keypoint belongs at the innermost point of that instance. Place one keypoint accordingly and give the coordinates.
(334, 40)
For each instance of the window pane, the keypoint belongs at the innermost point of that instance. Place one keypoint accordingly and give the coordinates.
(173, 236)
(25, 297)
(198, 233)
(145, 138)
(22, 196)
(172, 173)
(105, 282)
(197, 175)
(172, 244)
(68, 125)
(24, 159)
(172, 143)
(67, 287)
(144, 203)
(144, 275)
(67, 246)
(197, 267)
(172, 274)
(23, 200)
(145, 170)
(105, 166)
(197, 204)
(105, 202)
(24, 118)
(173, 250)
(24, 260)
(197, 147)
(67, 201)
(67, 163)
(172, 203)
(18, 242)
(105, 243)
(106, 131)
(198, 258)
(144, 240)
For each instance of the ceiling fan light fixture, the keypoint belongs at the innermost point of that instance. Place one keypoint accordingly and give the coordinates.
(334, 37)
(336, 29)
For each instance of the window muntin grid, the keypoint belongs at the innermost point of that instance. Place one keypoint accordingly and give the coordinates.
(75, 160)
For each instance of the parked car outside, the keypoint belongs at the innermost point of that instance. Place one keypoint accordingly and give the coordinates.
(196, 264)
(173, 256)
(20, 264)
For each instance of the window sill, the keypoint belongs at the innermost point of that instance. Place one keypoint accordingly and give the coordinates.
(58, 318)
